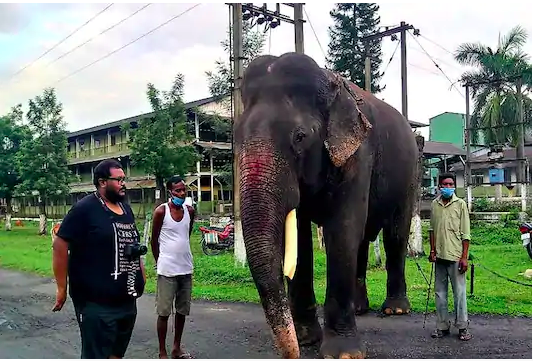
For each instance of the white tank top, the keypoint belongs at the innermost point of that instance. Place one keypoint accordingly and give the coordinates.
(175, 257)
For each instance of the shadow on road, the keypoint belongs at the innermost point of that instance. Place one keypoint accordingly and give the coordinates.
(28, 329)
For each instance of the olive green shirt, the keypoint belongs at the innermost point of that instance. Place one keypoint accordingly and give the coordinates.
(450, 224)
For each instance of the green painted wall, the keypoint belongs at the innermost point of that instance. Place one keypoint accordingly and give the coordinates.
(448, 128)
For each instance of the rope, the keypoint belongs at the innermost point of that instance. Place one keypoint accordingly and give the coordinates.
(504, 277)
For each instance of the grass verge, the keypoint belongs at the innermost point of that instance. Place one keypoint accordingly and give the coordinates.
(217, 277)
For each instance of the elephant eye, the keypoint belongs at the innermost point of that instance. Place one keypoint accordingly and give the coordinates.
(299, 136)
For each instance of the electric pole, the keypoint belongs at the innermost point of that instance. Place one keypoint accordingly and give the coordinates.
(521, 171)
(402, 29)
(271, 19)
(468, 178)
(299, 27)
(238, 71)
(403, 57)
(368, 76)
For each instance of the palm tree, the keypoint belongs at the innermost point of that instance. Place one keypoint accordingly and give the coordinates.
(495, 88)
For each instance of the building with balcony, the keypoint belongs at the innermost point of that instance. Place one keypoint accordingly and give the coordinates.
(87, 147)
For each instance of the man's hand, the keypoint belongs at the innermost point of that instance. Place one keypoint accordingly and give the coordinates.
(432, 256)
(61, 298)
(463, 265)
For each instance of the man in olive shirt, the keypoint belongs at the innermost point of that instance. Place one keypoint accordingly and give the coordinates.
(449, 236)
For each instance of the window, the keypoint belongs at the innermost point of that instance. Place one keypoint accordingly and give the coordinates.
(113, 140)
(507, 175)
(97, 143)
(477, 178)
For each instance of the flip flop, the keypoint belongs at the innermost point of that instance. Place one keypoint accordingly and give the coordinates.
(464, 335)
(184, 355)
(440, 333)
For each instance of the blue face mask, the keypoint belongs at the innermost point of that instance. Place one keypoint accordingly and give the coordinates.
(447, 192)
(177, 201)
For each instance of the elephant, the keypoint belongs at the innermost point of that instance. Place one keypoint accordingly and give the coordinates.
(310, 141)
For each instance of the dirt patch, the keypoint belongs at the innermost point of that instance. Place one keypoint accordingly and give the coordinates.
(28, 329)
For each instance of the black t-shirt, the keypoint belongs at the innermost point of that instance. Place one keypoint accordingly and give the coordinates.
(99, 271)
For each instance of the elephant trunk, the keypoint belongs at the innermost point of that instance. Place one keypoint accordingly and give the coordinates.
(265, 202)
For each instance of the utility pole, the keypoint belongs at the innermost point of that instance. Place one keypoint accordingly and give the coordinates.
(368, 78)
(271, 19)
(403, 62)
(402, 29)
(468, 177)
(299, 28)
(238, 72)
(521, 174)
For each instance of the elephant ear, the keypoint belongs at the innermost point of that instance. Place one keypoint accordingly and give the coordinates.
(347, 126)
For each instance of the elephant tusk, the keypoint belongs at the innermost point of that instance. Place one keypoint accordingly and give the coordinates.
(291, 244)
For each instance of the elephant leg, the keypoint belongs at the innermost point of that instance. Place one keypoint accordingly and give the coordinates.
(343, 234)
(361, 296)
(301, 288)
(395, 238)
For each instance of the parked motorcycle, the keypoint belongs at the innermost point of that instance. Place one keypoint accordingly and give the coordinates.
(525, 230)
(217, 240)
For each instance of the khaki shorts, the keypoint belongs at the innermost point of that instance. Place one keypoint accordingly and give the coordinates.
(177, 289)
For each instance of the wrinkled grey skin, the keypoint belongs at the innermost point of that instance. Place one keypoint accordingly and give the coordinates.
(305, 142)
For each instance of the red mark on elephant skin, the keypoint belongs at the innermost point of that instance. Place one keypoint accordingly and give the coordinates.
(257, 166)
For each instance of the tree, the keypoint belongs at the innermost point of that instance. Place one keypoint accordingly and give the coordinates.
(160, 144)
(12, 134)
(221, 85)
(494, 79)
(42, 160)
(221, 81)
(346, 49)
(499, 83)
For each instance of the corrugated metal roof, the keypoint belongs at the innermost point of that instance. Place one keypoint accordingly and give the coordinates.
(442, 148)
(118, 123)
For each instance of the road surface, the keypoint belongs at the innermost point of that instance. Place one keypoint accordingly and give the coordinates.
(28, 329)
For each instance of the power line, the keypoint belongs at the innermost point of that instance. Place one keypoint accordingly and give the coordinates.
(60, 42)
(314, 32)
(440, 60)
(390, 60)
(437, 44)
(437, 65)
(128, 44)
(94, 37)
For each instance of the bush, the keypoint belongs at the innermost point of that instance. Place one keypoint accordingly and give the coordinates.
(483, 233)
(485, 205)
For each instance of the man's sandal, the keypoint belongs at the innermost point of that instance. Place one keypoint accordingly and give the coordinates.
(440, 333)
(464, 335)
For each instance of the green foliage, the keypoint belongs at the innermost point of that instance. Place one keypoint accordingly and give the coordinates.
(485, 205)
(346, 50)
(42, 160)
(497, 103)
(160, 144)
(221, 81)
(12, 134)
(217, 278)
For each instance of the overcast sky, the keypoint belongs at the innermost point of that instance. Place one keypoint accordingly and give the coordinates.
(115, 87)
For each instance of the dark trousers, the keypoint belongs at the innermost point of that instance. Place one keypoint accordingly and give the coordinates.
(105, 330)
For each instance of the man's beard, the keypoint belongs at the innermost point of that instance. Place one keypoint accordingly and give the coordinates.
(114, 197)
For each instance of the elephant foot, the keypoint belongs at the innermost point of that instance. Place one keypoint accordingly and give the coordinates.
(308, 333)
(396, 306)
(361, 303)
(335, 346)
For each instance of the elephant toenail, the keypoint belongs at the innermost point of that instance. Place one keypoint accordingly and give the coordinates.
(399, 311)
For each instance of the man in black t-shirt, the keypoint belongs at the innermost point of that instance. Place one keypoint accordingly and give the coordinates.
(104, 278)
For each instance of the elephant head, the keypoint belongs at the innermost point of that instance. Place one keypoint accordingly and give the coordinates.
(298, 120)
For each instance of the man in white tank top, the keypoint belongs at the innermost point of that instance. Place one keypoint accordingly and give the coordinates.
(171, 230)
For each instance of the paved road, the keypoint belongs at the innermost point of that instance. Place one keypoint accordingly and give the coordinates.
(28, 329)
